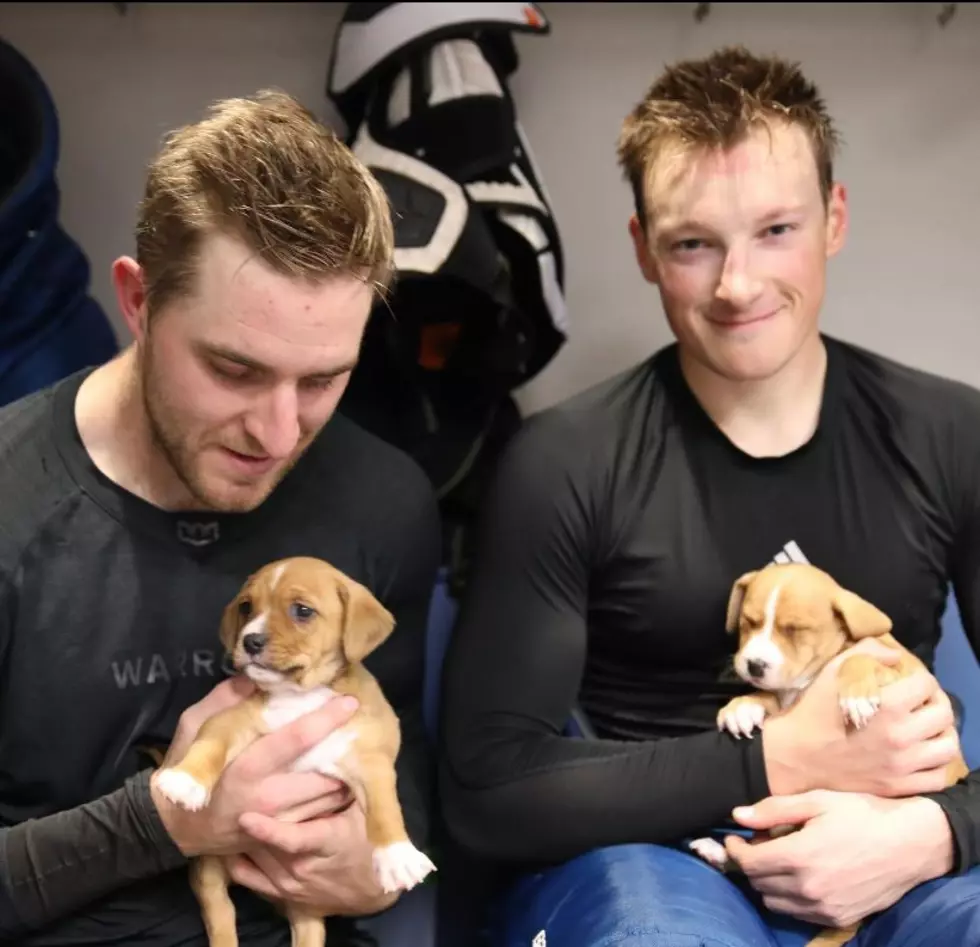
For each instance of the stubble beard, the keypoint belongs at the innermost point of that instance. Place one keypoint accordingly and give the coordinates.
(164, 431)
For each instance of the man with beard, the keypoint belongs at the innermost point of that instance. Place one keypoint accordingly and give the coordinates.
(136, 498)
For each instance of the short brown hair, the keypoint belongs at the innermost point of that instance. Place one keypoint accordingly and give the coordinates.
(714, 103)
(265, 170)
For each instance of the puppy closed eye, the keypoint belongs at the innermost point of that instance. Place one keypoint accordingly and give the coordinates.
(300, 612)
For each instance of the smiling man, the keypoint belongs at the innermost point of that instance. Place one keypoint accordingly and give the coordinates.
(619, 523)
(136, 498)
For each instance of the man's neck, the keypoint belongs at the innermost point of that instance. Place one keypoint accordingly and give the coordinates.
(768, 418)
(115, 431)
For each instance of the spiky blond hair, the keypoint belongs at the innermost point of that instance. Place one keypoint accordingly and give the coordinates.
(265, 170)
(715, 102)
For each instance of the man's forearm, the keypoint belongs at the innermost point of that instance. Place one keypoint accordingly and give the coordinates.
(543, 799)
(786, 761)
(52, 867)
(932, 849)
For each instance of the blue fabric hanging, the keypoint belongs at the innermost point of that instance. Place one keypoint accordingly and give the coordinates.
(50, 326)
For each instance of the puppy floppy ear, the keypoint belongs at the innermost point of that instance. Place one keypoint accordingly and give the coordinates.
(231, 624)
(366, 622)
(861, 619)
(736, 598)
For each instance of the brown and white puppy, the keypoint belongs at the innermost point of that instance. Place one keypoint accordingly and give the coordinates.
(792, 620)
(300, 629)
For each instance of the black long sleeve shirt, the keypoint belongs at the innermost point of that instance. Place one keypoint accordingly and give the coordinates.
(109, 614)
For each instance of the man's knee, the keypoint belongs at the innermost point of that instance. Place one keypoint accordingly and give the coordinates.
(633, 896)
(945, 911)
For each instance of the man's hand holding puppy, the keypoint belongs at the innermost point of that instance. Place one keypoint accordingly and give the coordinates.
(324, 863)
(901, 751)
(280, 824)
(853, 856)
(855, 853)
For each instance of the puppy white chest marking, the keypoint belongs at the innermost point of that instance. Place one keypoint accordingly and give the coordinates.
(284, 706)
(327, 757)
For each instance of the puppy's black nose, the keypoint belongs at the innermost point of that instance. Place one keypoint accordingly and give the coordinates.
(755, 667)
(253, 643)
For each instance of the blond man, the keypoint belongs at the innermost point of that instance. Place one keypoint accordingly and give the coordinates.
(136, 497)
(618, 525)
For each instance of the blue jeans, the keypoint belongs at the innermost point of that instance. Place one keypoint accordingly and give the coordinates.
(653, 896)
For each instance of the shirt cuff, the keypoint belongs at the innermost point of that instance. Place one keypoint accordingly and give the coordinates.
(962, 827)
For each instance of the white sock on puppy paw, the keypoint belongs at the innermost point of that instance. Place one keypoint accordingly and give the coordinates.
(859, 710)
(400, 866)
(712, 851)
(182, 789)
(743, 719)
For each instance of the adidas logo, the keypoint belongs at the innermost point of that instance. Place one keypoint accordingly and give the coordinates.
(790, 553)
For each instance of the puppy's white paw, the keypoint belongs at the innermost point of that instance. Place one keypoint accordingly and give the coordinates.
(712, 851)
(400, 866)
(859, 710)
(182, 789)
(741, 718)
